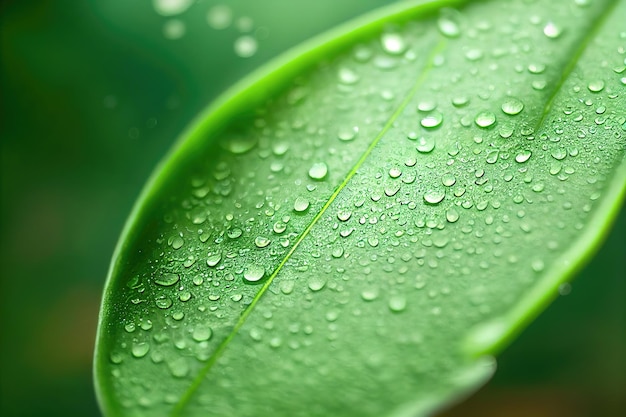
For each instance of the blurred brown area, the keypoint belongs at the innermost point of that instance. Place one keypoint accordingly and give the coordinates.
(91, 96)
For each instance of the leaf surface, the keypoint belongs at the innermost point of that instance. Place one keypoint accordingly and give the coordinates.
(355, 229)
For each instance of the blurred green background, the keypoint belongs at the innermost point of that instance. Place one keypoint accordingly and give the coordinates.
(94, 92)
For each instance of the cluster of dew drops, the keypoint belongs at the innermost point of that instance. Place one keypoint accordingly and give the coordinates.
(221, 17)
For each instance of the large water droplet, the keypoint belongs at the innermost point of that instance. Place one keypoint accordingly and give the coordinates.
(397, 303)
(485, 119)
(523, 156)
(202, 333)
(261, 241)
(512, 106)
(301, 204)
(318, 171)
(139, 350)
(316, 283)
(240, 144)
(596, 86)
(434, 196)
(167, 280)
(254, 273)
(214, 259)
(432, 120)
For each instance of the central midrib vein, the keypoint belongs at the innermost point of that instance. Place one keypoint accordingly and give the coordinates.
(242, 319)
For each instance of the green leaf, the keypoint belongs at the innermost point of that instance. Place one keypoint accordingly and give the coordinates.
(353, 230)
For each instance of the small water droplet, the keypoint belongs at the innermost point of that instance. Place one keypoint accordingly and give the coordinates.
(347, 134)
(551, 30)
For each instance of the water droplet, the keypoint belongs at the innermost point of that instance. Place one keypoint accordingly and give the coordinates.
(448, 179)
(139, 350)
(301, 204)
(219, 17)
(485, 119)
(261, 241)
(512, 106)
(551, 30)
(460, 101)
(393, 43)
(425, 144)
(523, 156)
(316, 283)
(434, 196)
(447, 24)
(596, 86)
(240, 144)
(130, 327)
(167, 280)
(163, 303)
(397, 303)
(347, 134)
(214, 259)
(179, 367)
(537, 265)
(347, 76)
(452, 215)
(369, 294)
(432, 120)
(426, 106)
(254, 273)
(536, 68)
(202, 333)
(234, 233)
(318, 171)
(246, 46)
(395, 172)
(279, 227)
